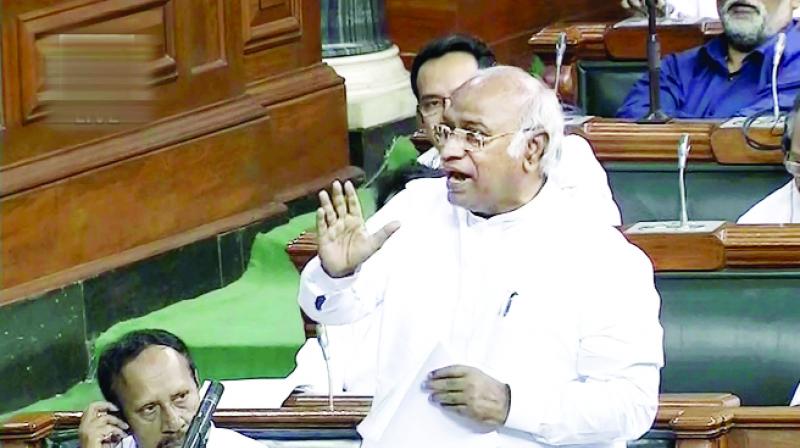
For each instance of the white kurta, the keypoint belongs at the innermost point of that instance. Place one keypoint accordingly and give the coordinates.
(578, 173)
(217, 438)
(781, 207)
(579, 344)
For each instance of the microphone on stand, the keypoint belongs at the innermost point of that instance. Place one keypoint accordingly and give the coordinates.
(683, 155)
(197, 434)
(322, 339)
(561, 49)
(656, 115)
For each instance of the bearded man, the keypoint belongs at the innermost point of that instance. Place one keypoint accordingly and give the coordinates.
(731, 75)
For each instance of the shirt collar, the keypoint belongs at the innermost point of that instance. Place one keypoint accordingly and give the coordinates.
(716, 50)
(538, 206)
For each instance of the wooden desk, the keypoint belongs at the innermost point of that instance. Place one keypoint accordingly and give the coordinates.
(305, 417)
(600, 41)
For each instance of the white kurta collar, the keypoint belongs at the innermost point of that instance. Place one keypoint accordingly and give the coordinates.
(538, 207)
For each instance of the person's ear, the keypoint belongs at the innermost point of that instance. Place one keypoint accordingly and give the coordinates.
(534, 149)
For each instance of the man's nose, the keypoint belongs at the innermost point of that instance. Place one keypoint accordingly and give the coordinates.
(453, 148)
(172, 420)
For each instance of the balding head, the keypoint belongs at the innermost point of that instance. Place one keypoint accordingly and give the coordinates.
(501, 136)
(515, 98)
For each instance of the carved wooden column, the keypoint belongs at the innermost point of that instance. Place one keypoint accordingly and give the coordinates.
(355, 44)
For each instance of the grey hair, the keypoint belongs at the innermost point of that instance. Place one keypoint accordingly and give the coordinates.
(541, 110)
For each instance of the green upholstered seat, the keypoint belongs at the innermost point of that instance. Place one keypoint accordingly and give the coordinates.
(649, 191)
(734, 331)
(603, 85)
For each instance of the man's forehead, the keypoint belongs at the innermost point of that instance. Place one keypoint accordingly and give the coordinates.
(488, 100)
(440, 76)
(154, 366)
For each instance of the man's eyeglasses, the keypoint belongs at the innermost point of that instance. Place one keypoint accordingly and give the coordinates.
(473, 140)
(432, 105)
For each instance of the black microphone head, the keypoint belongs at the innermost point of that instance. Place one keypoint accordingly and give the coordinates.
(197, 434)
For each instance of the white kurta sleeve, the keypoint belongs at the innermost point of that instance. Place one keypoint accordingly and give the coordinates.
(339, 301)
(615, 396)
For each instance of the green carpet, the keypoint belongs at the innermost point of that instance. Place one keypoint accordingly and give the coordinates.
(250, 329)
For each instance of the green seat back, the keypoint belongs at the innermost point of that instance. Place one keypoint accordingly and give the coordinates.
(603, 85)
(649, 191)
(734, 331)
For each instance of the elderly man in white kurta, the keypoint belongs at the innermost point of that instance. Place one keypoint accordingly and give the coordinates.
(783, 205)
(553, 321)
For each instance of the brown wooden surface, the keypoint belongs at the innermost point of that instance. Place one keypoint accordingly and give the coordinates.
(621, 140)
(701, 420)
(241, 104)
(601, 41)
(733, 246)
(412, 23)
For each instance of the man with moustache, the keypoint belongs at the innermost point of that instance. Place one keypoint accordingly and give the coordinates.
(730, 75)
(440, 67)
(551, 321)
(446, 63)
(150, 384)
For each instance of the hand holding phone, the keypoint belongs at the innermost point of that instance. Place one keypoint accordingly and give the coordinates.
(101, 426)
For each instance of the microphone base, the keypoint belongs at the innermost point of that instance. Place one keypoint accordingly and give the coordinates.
(655, 117)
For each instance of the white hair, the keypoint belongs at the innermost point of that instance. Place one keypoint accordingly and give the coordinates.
(541, 110)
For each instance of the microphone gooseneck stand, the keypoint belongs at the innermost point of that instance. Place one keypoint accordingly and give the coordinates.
(656, 115)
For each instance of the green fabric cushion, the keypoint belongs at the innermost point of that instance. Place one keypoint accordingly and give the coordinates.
(603, 85)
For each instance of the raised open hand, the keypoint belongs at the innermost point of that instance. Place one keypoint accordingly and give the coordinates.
(343, 240)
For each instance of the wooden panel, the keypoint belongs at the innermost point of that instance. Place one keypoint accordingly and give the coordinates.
(81, 196)
(762, 246)
(139, 200)
(729, 146)
(601, 41)
(630, 43)
(269, 23)
(302, 411)
(617, 140)
(54, 165)
(279, 36)
(733, 246)
(621, 140)
(56, 45)
(412, 23)
(690, 252)
(208, 31)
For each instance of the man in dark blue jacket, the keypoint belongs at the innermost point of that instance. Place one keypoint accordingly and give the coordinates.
(732, 74)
